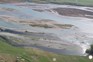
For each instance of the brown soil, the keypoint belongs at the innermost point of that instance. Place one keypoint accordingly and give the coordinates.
(74, 12)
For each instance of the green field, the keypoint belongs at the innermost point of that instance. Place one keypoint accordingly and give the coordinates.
(10, 53)
(81, 2)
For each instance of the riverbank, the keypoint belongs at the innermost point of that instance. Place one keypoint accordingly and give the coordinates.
(11, 54)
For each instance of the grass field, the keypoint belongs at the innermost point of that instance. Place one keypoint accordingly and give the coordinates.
(10, 53)
(81, 2)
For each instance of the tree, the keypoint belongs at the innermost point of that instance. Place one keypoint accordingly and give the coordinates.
(90, 51)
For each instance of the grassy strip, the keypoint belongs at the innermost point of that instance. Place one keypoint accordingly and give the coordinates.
(72, 2)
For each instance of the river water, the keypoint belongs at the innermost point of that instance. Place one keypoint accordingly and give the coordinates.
(85, 25)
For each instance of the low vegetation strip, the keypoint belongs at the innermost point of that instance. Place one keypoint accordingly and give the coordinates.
(41, 25)
(69, 2)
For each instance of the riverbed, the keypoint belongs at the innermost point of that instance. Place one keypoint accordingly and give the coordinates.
(78, 35)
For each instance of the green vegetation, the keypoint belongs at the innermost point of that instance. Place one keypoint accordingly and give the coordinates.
(90, 51)
(41, 25)
(64, 26)
(81, 2)
(10, 53)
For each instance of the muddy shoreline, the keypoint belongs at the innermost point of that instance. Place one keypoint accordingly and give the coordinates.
(53, 50)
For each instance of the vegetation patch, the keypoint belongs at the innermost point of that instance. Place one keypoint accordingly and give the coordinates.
(41, 25)
(90, 51)
(68, 2)
(64, 26)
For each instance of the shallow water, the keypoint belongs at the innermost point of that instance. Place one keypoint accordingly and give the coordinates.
(85, 26)
(78, 52)
(9, 24)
